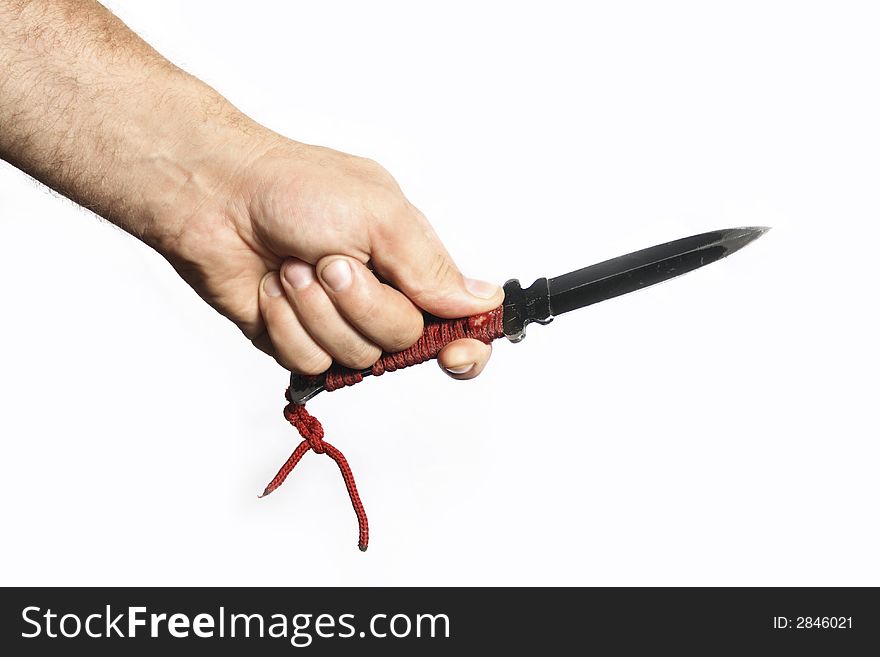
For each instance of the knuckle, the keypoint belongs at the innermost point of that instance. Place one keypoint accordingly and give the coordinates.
(359, 355)
(363, 310)
(442, 269)
(439, 280)
(312, 362)
(405, 337)
(372, 169)
(370, 165)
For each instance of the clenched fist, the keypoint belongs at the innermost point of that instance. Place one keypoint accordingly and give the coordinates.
(318, 256)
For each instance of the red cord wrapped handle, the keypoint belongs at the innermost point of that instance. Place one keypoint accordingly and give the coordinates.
(438, 333)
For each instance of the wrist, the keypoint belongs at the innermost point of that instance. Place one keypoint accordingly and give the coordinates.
(189, 153)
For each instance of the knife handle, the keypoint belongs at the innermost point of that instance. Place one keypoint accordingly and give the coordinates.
(438, 333)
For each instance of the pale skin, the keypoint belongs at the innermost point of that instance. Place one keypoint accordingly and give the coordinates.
(314, 254)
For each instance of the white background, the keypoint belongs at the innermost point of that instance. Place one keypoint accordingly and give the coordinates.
(719, 429)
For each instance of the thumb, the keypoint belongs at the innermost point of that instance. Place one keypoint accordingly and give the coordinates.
(408, 254)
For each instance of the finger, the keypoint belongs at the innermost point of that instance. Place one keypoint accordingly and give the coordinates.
(407, 251)
(464, 359)
(379, 312)
(320, 318)
(264, 343)
(293, 347)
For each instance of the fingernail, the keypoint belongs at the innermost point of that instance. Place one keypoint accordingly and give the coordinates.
(272, 285)
(463, 369)
(337, 275)
(480, 289)
(299, 274)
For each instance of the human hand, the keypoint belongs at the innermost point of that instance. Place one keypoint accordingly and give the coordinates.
(317, 256)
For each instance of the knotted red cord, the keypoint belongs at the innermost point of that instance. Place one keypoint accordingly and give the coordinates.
(437, 334)
(313, 438)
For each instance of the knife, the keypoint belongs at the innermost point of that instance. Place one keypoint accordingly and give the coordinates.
(542, 301)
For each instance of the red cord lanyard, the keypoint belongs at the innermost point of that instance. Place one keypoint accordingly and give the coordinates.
(437, 334)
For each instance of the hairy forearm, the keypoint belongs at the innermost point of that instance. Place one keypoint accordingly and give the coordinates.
(91, 110)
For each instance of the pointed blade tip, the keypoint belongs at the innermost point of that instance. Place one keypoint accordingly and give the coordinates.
(737, 238)
(757, 231)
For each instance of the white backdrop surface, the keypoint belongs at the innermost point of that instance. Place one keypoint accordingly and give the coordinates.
(719, 429)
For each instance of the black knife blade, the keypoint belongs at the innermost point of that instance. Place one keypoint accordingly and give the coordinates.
(548, 298)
